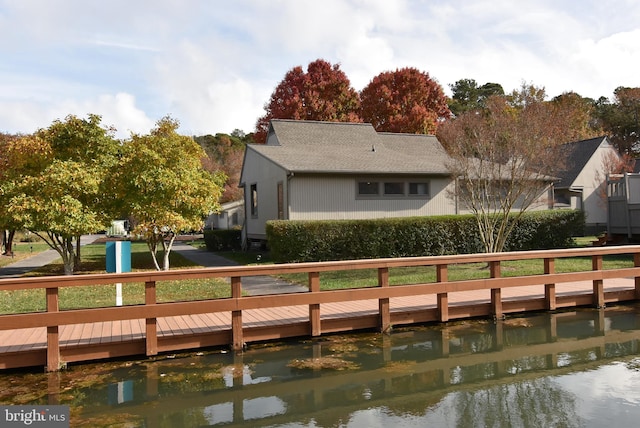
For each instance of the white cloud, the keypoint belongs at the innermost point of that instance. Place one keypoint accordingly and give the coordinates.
(213, 66)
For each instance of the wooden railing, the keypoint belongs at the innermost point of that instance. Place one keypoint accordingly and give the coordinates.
(53, 317)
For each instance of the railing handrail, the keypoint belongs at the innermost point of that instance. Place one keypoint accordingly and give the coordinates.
(304, 267)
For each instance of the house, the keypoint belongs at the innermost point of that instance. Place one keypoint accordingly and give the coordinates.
(231, 216)
(346, 171)
(333, 170)
(583, 180)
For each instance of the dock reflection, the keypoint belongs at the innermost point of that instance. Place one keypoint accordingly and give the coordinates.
(404, 373)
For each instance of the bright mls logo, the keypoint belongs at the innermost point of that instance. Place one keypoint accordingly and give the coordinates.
(34, 416)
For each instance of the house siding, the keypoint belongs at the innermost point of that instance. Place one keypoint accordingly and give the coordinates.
(266, 175)
(319, 197)
(592, 181)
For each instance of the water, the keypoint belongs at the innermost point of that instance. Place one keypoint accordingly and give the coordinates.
(571, 369)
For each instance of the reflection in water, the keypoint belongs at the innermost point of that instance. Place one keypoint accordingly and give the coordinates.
(564, 369)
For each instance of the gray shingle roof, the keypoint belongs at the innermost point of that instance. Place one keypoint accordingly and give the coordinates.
(576, 155)
(337, 147)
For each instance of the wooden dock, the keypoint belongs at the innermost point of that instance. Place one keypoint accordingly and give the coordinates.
(55, 337)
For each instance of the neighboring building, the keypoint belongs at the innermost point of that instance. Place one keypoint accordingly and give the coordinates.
(334, 170)
(624, 205)
(231, 216)
(583, 180)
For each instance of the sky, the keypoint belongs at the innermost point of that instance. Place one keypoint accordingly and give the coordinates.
(213, 65)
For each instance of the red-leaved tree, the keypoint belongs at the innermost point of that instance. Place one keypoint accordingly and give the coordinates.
(406, 100)
(322, 93)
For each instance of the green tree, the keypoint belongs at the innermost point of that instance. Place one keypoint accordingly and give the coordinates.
(405, 100)
(467, 95)
(620, 119)
(59, 189)
(165, 188)
(322, 93)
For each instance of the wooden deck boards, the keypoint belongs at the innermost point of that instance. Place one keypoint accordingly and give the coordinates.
(34, 339)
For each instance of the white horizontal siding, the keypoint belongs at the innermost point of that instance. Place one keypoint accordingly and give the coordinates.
(266, 175)
(334, 198)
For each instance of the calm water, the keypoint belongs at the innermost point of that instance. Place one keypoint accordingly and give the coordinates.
(573, 369)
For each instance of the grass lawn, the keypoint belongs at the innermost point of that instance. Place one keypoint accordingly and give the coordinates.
(416, 275)
(22, 250)
(93, 261)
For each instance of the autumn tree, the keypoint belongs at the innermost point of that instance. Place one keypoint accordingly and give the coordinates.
(225, 153)
(467, 95)
(164, 187)
(502, 160)
(322, 93)
(59, 190)
(406, 100)
(620, 119)
(576, 117)
(9, 168)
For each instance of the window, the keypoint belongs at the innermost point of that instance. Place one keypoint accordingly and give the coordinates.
(368, 188)
(254, 200)
(394, 188)
(280, 201)
(419, 189)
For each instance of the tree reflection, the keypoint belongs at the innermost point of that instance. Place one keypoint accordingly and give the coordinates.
(533, 403)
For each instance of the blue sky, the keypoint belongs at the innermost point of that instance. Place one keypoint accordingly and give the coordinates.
(213, 64)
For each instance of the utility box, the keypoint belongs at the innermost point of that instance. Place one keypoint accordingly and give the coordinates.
(118, 256)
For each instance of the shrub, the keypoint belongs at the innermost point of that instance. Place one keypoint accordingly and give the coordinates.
(223, 240)
(298, 241)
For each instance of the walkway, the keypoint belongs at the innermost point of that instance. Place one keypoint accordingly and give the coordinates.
(253, 286)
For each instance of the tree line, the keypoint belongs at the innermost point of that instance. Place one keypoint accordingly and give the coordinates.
(408, 100)
(74, 178)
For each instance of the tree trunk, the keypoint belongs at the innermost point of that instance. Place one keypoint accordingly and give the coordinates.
(77, 253)
(167, 250)
(68, 256)
(152, 243)
(7, 239)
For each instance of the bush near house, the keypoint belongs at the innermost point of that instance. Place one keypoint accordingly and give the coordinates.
(299, 241)
(222, 239)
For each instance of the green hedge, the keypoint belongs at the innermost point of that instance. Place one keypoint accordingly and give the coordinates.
(298, 241)
(222, 240)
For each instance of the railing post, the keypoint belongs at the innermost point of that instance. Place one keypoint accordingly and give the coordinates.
(236, 316)
(151, 324)
(636, 263)
(53, 337)
(442, 275)
(598, 284)
(314, 308)
(496, 293)
(550, 289)
(383, 304)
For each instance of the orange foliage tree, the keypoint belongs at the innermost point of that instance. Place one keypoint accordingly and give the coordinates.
(322, 93)
(406, 100)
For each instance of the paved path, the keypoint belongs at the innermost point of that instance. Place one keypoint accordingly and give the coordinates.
(37, 260)
(256, 285)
